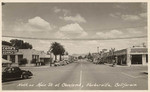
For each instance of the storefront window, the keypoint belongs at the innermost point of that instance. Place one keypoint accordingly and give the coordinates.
(12, 58)
(136, 59)
(4, 57)
(146, 58)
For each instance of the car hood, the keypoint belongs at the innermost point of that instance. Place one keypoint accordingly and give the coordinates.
(27, 72)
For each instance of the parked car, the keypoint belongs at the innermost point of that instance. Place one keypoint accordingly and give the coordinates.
(11, 73)
(57, 64)
(62, 63)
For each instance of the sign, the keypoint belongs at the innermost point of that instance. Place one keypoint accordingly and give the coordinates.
(7, 50)
(139, 50)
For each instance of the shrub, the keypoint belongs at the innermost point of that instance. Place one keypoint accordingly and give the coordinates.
(33, 61)
(23, 61)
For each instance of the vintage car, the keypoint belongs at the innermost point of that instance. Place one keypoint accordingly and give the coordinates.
(11, 73)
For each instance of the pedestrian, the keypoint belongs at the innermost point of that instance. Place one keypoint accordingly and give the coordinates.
(114, 62)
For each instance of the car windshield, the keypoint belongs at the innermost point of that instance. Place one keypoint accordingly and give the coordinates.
(6, 69)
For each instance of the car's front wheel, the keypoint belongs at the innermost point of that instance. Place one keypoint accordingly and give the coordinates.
(25, 76)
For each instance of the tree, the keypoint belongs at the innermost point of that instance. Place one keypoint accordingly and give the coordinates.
(89, 56)
(20, 44)
(111, 52)
(26, 46)
(23, 61)
(6, 43)
(80, 57)
(67, 53)
(55, 49)
(62, 51)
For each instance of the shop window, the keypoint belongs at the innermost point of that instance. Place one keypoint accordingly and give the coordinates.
(146, 58)
(136, 59)
(12, 58)
(4, 57)
(20, 57)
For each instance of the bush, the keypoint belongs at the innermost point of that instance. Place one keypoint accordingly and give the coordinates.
(33, 61)
(23, 61)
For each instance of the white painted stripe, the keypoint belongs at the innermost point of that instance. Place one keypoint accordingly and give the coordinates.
(128, 75)
(81, 79)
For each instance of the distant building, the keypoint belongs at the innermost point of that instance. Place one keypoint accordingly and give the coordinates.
(96, 57)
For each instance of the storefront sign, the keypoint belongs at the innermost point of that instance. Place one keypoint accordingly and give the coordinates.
(139, 50)
(6, 50)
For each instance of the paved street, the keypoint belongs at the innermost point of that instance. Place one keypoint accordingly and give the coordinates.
(82, 75)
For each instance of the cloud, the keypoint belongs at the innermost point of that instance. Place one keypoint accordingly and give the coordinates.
(126, 32)
(72, 30)
(115, 15)
(127, 17)
(132, 32)
(78, 18)
(39, 23)
(110, 34)
(36, 24)
(130, 17)
(120, 6)
(58, 10)
(60, 35)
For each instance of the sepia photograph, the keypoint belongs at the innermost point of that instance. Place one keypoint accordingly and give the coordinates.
(74, 46)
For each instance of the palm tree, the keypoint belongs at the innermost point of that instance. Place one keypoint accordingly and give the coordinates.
(111, 51)
(62, 51)
(55, 49)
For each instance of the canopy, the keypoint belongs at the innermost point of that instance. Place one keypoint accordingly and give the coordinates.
(6, 61)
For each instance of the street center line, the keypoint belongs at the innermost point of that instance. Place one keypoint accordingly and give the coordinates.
(128, 75)
(81, 77)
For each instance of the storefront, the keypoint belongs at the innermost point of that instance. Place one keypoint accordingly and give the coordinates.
(129, 56)
(9, 53)
(139, 56)
(121, 57)
(15, 56)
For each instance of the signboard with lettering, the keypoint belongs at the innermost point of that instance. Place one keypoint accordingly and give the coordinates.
(7, 50)
(139, 51)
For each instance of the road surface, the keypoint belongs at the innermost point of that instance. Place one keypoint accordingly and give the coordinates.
(82, 75)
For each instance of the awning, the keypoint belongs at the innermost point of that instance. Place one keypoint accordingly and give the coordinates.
(6, 61)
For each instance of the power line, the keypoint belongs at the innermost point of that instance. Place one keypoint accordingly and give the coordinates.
(75, 38)
(140, 26)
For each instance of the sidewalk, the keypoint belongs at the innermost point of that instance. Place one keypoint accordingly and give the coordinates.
(45, 66)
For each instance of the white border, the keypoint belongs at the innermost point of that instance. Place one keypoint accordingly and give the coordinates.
(80, 1)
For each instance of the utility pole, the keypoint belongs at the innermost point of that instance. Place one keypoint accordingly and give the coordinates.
(98, 50)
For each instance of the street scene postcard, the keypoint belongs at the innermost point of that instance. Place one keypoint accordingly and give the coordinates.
(74, 46)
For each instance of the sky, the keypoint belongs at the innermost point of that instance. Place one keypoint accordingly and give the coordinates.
(76, 21)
